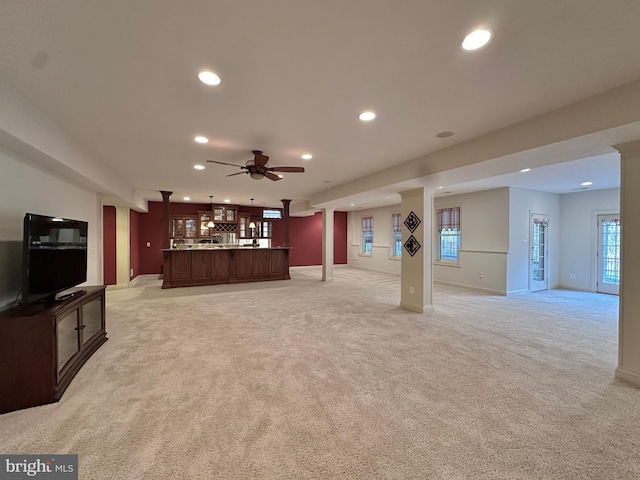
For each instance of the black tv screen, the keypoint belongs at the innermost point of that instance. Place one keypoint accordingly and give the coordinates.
(54, 256)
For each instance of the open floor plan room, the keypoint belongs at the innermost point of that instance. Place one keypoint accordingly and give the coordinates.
(310, 379)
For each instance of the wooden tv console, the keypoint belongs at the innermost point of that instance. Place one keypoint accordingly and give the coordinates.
(42, 347)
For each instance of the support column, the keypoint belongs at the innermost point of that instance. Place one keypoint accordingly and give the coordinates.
(327, 244)
(416, 280)
(122, 247)
(166, 218)
(629, 311)
(285, 214)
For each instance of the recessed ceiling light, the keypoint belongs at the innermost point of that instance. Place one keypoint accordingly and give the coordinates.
(445, 134)
(477, 39)
(440, 187)
(199, 167)
(226, 200)
(307, 156)
(201, 139)
(187, 198)
(525, 170)
(209, 78)
(352, 204)
(281, 176)
(586, 184)
(367, 116)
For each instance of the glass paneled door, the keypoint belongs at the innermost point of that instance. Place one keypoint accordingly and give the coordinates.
(608, 254)
(539, 260)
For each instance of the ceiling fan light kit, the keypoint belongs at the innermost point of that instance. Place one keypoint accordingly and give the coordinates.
(257, 167)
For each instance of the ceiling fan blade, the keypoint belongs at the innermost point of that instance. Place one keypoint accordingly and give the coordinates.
(260, 159)
(271, 176)
(225, 163)
(232, 174)
(287, 169)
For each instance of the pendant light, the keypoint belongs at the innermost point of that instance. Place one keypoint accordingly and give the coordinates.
(211, 224)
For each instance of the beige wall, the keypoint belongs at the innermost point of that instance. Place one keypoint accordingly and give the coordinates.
(523, 203)
(578, 235)
(380, 258)
(484, 245)
(26, 189)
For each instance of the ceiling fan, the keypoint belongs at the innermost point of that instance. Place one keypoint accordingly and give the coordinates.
(257, 167)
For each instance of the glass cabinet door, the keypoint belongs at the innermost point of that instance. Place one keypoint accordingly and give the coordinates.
(67, 337)
(204, 230)
(218, 214)
(91, 319)
(190, 227)
(177, 227)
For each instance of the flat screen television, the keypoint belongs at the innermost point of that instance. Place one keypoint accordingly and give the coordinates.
(54, 256)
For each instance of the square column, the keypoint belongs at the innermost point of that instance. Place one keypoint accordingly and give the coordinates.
(327, 244)
(416, 281)
(629, 312)
(122, 247)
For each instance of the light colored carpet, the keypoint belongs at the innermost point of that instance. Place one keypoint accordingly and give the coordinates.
(302, 379)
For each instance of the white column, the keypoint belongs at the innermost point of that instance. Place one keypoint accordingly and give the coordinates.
(122, 247)
(416, 280)
(629, 311)
(327, 244)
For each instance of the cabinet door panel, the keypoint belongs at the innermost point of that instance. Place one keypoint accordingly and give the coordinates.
(277, 262)
(244, 263)
(67, 338)
(91, 319)
(261, 262)
(220, 264)
(200, 265)
(180, 266)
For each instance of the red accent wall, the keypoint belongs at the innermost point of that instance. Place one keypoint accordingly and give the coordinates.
(305, 235)
(134, 250)
(109, 245)
(151, 233)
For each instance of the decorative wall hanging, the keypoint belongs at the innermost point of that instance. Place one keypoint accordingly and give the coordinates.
(412, 245)
(411, 222)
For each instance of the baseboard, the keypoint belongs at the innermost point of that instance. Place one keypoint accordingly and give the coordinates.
(416, 308)
(471, 287)
(375, 270)
(627, 376)
(573, 289)
(138, 278)
(515, 292)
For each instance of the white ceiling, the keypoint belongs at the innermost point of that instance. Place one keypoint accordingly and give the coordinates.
(120, 77)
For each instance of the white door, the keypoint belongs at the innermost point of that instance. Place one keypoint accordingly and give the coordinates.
(539, 259)
(608, 254)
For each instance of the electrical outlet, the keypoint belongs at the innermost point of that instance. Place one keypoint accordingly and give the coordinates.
(573, 276)
(411, 290)
(148, 244)
(480, 276)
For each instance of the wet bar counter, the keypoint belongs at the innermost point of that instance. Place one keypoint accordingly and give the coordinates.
(190, 267)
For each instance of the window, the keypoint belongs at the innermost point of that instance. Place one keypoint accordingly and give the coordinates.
(396, 236)
(449, 234)
(367, 236)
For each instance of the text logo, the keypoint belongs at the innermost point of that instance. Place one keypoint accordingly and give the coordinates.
(49, 467)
